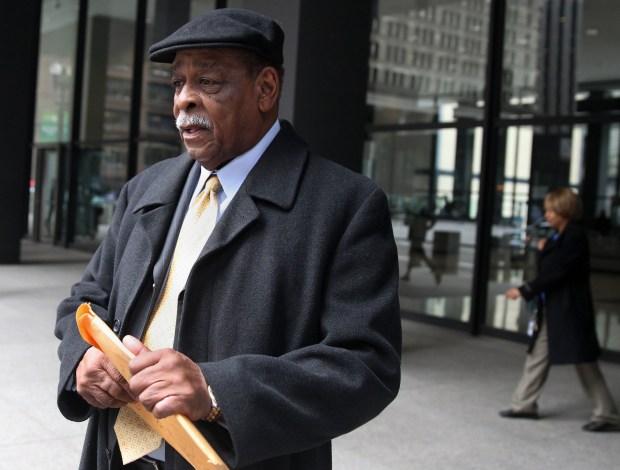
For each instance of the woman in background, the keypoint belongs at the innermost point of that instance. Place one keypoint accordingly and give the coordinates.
(563, 331)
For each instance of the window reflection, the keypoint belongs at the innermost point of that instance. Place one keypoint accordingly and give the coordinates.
(102, 174)
(428, 61)
(108, 70)
(106, 114)
(558, 58)
(431, 178)
(437, 169)
(56, 71)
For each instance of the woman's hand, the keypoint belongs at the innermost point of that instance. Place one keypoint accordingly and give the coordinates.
(541, 244)
(513, 293)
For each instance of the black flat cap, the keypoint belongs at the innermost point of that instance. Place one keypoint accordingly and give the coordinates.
(225, 27)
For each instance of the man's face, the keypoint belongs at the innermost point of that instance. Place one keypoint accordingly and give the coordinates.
(213, 85)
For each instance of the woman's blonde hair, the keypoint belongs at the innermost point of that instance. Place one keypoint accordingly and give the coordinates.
(564, 202)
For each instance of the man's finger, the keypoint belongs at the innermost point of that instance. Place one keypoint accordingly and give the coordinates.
(145, 359)
(134, 345)
(119, 392)
(118, 380)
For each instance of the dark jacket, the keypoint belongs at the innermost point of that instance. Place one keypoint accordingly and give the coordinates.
(291, 310)
(564, 277)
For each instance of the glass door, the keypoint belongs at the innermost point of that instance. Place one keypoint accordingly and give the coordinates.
(432, 181)
(47, 197)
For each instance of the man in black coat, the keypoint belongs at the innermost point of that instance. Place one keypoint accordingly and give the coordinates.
(288, 326)
(564, 331)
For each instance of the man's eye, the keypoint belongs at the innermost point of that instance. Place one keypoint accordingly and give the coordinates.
(206, 82)
(176, 84)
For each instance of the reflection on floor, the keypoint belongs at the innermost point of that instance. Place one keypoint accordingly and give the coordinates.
(439, 284)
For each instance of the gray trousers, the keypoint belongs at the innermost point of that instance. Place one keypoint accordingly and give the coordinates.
(536, 371)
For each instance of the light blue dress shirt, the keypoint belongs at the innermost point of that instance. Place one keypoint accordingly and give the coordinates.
(234, 173)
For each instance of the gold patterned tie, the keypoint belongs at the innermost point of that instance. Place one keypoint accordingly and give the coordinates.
(135, 437)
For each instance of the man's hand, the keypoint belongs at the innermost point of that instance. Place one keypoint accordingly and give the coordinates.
(100, 383)
(167, 382)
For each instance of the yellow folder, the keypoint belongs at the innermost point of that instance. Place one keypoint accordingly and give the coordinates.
(177, 430)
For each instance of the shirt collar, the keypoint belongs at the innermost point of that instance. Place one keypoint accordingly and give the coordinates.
(233, 174)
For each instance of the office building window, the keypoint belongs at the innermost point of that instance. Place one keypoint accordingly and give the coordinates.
(440, 43)
(56, 74)
(559, 58)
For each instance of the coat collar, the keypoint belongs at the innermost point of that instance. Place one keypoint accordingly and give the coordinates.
(275, 178)
(556, 239)
(277, 175)
(166, 188)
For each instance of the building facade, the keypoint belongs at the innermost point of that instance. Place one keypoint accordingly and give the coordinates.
(466, 112)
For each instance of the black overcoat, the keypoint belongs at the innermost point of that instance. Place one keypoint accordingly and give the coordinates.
(291, 310)
(564, 277)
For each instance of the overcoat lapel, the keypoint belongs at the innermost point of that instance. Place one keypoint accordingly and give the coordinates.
(275, 178)
(156, 209)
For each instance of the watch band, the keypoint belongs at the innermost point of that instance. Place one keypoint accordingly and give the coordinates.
(215, 411)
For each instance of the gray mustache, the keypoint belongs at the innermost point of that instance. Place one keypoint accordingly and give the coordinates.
(186, 119)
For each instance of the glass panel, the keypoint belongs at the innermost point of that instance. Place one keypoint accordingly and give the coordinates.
(48, 199)
(598, 70)
(524, 48)
(101, 178)
(108, 70)
(537, 159)
(427, 61)
(559, 58)
(608, 187)
(106, 108)
(150, 153)
(236, 4)
(55, 75)
(47, 179)
(433, 198)
(198, 7)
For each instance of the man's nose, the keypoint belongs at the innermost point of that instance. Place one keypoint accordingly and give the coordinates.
(187, 97)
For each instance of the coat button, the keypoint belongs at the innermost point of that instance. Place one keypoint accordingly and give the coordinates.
(117, 326)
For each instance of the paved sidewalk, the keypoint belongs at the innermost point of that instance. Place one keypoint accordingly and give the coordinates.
(445, 416)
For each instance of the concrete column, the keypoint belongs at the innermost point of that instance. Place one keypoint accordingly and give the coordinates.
(19, 42)
(332, 74)
(326, 70)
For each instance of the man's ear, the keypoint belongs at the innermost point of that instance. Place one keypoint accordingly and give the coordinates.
(268, 86)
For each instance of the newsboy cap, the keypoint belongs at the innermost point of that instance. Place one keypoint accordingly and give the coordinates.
(225, 27)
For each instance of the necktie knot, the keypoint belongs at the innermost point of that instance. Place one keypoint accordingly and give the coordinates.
(213, 184)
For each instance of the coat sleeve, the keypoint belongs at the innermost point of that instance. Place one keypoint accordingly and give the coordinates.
(306, 397)
(94, 287)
